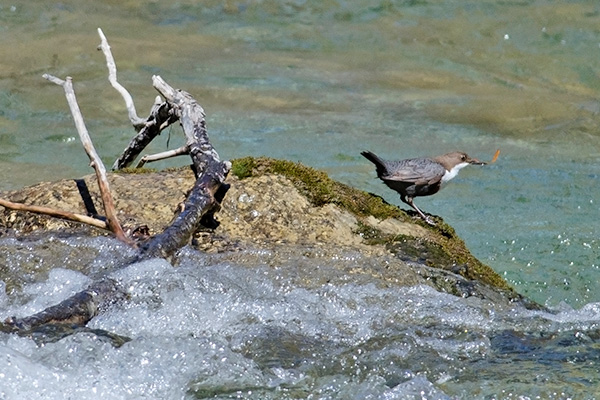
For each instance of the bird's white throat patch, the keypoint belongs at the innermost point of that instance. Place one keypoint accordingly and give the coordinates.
(453, 172)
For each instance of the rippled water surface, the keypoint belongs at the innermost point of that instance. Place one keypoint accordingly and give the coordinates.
(317, 82)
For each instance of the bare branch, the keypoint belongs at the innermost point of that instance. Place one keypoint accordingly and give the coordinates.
(205, 197)
(76, 310)
(54, 79)
(137, 122)
(54, 213)
(203, 200)
(160, 117)
(201, 203)
(191, 114)
(95, 160)
(162, 156)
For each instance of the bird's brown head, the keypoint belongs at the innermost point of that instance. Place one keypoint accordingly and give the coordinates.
(451, 160)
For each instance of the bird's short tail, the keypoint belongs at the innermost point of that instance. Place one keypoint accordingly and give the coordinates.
(379, 163)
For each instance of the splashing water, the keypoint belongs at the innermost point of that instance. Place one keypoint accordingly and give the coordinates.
(233, 326)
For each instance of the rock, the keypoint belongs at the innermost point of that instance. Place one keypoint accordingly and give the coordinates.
(291, 211)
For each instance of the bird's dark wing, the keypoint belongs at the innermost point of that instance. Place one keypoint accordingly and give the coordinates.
(420, 171)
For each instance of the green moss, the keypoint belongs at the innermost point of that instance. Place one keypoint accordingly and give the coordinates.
(448, 254)
(242, 168)
(439, 248)
(318, 187)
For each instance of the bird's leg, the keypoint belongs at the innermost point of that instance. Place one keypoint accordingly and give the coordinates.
(409, 201)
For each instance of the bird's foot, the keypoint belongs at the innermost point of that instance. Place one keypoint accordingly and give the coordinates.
(425, 218)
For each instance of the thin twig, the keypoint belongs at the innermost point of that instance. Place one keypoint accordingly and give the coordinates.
(162, 156)
(54, 213)
(95, 161)
(137, 122)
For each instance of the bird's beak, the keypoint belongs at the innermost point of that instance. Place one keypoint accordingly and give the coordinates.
(475, 161)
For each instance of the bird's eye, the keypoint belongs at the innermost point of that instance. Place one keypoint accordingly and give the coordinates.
(463, 157)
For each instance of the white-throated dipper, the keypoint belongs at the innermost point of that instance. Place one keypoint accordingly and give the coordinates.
(420, 176)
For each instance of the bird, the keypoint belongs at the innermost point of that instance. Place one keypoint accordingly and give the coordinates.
(421, 176)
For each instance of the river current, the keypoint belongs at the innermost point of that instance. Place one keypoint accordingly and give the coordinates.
(318, 82)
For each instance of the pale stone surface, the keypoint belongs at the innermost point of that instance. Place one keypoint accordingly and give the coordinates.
(269, 208)
(266, 208)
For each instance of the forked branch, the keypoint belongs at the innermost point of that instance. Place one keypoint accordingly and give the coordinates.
(202, 201)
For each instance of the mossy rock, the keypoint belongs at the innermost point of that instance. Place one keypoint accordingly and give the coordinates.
(435, 246)
(272, 203)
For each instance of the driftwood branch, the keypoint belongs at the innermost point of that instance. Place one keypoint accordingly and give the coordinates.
(210, 174)
(203, 200)
(137, 122)
(76, 310)
(183, 150)
(54, 213)
(160, 117)
(95, 161)
(201, 203)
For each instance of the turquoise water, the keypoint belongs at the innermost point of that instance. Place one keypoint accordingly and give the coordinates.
(320, 81)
